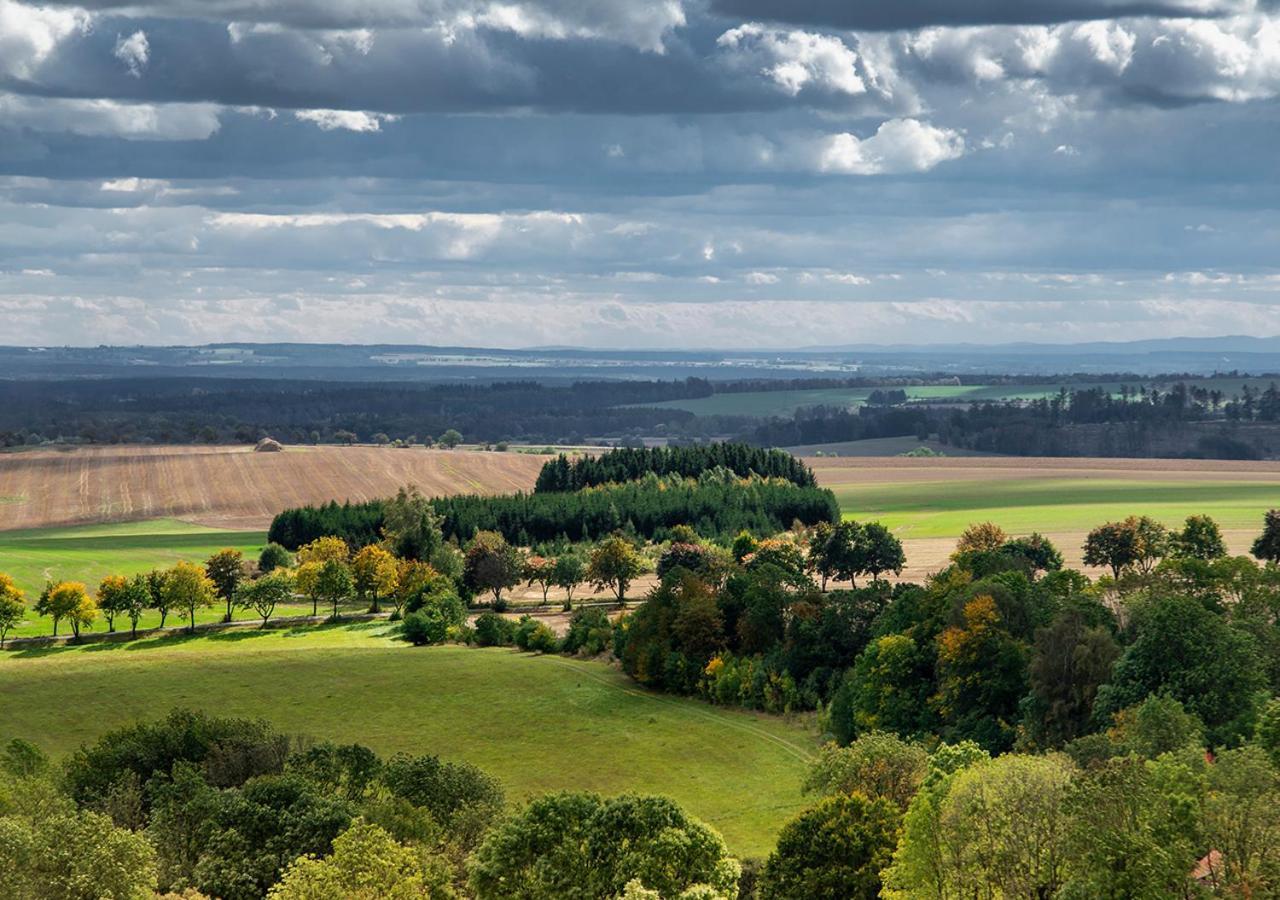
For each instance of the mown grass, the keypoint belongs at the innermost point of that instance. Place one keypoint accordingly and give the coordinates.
(89, 552)
(539, 723)
(944, 509)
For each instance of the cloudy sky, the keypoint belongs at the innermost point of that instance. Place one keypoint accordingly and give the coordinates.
(638, 173)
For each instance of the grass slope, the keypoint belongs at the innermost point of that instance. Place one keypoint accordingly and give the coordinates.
(87, 553)
(539, 723)
(944, 509)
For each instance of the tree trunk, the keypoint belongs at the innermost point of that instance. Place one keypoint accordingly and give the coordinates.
(55, 627)
(315, 608)
(164, 614)
(228, 618)
(191, 620)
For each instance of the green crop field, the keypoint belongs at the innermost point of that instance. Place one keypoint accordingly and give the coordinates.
(540, 723)
(89, 552)
(1022, 505)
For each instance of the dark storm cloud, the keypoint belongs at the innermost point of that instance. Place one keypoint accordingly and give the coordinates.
(895, 15)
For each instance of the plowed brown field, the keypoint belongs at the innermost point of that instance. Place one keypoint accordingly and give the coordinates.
(232, 487)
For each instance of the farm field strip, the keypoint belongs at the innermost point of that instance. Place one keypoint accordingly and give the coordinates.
(538, 723)
(233, 487)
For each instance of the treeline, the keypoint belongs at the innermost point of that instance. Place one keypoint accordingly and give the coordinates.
(617, 466)
(237, 410)
(716, 505)
(828, 425)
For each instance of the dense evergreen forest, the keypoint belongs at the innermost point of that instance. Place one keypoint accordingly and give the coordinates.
(616, 466)
(717, 505)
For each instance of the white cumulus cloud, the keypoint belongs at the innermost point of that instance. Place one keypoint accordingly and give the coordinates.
(344, 119)
(133, 51)
(899, 146)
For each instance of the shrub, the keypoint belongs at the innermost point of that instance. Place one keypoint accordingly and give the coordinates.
(493, 630)
(535, 636)
(590, 632)
(421, 628)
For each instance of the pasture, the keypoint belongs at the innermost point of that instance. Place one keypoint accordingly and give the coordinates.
(539, 723)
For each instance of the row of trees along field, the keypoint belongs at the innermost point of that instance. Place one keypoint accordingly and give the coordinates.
(411, 572)
(681, 486)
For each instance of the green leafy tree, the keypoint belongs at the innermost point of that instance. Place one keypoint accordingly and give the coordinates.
(334, 584)
(1071, 660)
(160, 600)
(834, 851)
(367, 863)
(187, 588)
(450, 439)
(1267, 545)
(881, 551)
(492, 565)
(570, 571)
(1134, 830)
(878, 765)
(1200, 538)
(74, 856)
(226, 570)
(584, 846)
(1113, 545)
(837, 551)
(1001, 831)
(981, 677)
(12, 606)
(1242, 822)
(1036, 550)
(890, 687)
(614, 565)
(263, 595)
(1137, 542)
(1195, 656)
(541, 571)
(919, 866)
(410, 525)
(1267, 731)
(272, 557)
(1157, 725)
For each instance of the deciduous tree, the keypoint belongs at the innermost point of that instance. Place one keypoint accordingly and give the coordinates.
(834, 851)
(614, 565)
(981, 537)
(1200, 538)
(374, 573)
(263, 595)
(226, 570)
(492, 565)
(12, 607)
(186, 587)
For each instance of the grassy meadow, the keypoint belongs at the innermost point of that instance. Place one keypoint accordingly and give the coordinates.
(89, 552)
(540, 723)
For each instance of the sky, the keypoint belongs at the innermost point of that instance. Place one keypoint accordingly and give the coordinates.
(638, 173)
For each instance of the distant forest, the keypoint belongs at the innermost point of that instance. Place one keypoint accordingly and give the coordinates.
(1174, 418)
